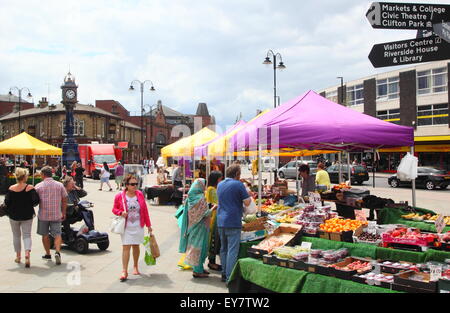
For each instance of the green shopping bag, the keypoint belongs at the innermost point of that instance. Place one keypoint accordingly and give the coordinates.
(148, 257)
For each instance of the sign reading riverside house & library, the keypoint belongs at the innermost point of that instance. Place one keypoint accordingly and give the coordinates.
(410, 51)
(407, 15)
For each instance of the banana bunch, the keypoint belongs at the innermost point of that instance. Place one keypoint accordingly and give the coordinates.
(447, 220)
(433, 218)
(285, 219)
(411, 216)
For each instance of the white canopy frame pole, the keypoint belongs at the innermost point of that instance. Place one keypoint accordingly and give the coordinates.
(259, 178)
(349, 171)
(413, 181)
(34, 161)
(296, 179)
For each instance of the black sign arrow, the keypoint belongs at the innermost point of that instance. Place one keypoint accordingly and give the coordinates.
(407, 15)
(411, 51)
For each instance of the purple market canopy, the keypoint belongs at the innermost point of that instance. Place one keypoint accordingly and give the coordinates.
(313, 122)
(202, 150)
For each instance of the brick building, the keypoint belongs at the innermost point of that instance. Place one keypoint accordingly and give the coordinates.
(162, 125)
(415, 96)
(9, 103)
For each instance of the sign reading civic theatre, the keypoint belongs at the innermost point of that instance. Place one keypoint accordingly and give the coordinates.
(428, 17)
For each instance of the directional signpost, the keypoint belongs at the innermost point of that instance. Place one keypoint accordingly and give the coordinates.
(434, 18)
(407, 15)
(409, 51)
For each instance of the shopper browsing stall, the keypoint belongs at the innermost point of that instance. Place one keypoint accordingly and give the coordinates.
(232, 195)
(308, 181)
(322, 177)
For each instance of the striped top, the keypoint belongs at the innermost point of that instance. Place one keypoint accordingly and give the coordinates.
(51, 194)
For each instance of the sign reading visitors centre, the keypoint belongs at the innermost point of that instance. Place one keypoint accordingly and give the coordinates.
(407, 15)
(410, 51)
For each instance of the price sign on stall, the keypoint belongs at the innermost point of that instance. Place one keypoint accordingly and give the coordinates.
(315, 199)
(440, 223)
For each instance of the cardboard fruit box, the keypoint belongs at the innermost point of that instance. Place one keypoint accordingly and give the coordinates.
(405, 279)
(285, 234)
(345, 236)
(339, 273)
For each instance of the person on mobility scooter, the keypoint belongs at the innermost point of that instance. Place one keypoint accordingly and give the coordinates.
(78, 211)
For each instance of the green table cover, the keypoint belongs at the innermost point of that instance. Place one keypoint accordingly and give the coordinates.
(394, 216)
(285, 280)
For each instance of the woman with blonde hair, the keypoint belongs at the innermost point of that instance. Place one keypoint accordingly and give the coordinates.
(132, 206)
(20, 201)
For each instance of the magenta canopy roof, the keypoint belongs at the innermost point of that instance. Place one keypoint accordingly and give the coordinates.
(311, 121)
(202, 150)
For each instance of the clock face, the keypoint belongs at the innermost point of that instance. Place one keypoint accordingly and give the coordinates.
(70, 94)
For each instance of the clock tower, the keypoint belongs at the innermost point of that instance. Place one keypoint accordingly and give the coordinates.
(69, 100)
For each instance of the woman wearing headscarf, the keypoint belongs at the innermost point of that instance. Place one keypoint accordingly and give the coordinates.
(195, 228)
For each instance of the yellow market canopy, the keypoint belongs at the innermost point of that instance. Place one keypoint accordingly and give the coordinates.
(185, 146)
(24, 144)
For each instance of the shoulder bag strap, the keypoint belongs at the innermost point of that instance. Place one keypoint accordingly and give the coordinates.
(123, 202)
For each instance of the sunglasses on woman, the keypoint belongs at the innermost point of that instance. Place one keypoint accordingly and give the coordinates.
(132, 184)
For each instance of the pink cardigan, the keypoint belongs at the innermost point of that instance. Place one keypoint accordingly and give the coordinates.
(118, 207)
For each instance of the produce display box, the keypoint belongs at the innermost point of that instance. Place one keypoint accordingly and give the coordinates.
(391, 269)
(370, 282)
(269, 259)
(257, 224)
(404, 279)
(444, 286)
(345, 236)
(286, 233)
(253, 235)
(298, 265)
(316, 268)
(334, 272)
(387, 238)
(358, 232)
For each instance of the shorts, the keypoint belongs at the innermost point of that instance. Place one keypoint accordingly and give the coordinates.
(119, 179)
(46, 227)
(104, 179)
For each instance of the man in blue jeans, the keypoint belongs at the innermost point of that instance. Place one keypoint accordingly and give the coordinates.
(231, 194)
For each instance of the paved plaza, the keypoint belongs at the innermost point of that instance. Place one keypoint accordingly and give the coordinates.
(99, 271)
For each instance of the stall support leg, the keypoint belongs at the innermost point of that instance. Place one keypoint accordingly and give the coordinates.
(413, 184)
(259, 179)
(349, 171)
(340, 166)
(373, 168)
(34, 161)
(296, 179)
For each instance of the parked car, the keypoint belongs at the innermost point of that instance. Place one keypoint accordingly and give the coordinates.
(359, 173)
(268, 164)
(427, 177)
(289, 169)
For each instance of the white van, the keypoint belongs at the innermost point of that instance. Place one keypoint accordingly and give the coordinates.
(268, 164)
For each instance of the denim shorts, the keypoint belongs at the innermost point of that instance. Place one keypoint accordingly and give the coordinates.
(104, 179)
(46, 227)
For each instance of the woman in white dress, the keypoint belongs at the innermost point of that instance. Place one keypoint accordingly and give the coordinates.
(104, 176)
(131, 204)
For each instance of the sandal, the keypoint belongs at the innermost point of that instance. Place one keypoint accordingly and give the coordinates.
(200, 275)
(215, 267)
(17, 260)
(27, 262)
(124, 277)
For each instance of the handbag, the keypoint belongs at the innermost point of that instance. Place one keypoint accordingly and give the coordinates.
(118, 222)
(3, 210)
(154, 246)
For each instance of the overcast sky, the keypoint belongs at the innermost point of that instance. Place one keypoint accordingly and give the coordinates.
(193, 51)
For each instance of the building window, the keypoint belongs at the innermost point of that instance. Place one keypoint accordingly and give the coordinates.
(436, 114)
(160, 139)
(392, 116)
(355, 95)
(388, 88)
(332, 95)
(78, 128)
(432, 81)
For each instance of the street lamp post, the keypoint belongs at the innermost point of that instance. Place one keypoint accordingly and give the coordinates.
(19, 90)
(280, 66)
(150, 108)
(142, 109)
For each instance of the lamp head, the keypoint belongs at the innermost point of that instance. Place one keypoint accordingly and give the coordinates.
(281, 66)
(152, 88)
(267, 61)
(131, 88)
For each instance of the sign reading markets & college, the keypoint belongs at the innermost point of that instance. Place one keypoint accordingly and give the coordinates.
(417, 16)
(407, 15)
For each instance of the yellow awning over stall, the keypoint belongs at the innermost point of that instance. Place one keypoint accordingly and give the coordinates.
(184, 147)
(24, 144)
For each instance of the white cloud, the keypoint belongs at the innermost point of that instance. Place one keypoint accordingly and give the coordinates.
(193, 51)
